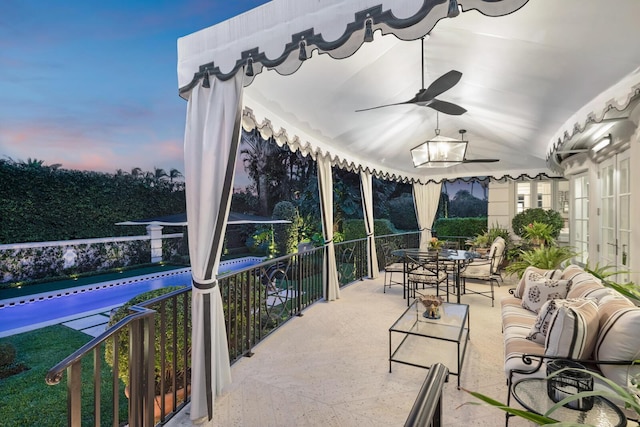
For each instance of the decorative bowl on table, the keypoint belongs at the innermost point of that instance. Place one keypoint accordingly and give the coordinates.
(432, 304)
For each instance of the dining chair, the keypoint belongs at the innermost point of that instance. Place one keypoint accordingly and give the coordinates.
(485, 269)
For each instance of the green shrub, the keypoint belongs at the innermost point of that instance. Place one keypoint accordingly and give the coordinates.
(545, 257)
(402, 212)
(467, 227)
(7, 355)
(529, 216)
(285, 235)
(123, 338)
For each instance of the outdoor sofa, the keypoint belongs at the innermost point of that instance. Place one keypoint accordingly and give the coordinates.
(568, 314)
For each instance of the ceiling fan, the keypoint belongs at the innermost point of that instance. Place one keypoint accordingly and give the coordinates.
(427, 97)
(465, 160)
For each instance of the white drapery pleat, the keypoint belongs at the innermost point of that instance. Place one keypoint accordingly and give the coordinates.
(210, 147)
(366, 191)
(330, 271)
(426, 198)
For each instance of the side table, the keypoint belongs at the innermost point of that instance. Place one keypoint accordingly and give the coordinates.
(531, 393)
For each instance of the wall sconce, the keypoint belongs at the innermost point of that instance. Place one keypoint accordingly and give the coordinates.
(604, 142)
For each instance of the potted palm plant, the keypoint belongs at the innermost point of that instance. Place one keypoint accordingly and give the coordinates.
(539, 234)
(164, 374)
(544, 257)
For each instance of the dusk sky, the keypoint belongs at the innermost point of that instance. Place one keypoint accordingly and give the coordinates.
(92, 84)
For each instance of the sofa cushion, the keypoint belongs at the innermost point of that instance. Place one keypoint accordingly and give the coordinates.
(571, 270)
(609, 304)
(538, 290)
(540, 328)
(533, 273)
(573, 330)
(619, 340)
(587, 289)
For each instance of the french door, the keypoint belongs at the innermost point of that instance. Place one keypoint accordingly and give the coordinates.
(615, 224)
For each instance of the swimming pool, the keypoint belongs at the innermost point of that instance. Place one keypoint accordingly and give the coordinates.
(23, 314)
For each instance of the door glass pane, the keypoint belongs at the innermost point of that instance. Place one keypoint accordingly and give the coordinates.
(523, 190)
(624, 212)
(623, 171)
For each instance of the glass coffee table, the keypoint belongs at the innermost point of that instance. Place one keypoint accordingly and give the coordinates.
(531, 393)
(419, 341)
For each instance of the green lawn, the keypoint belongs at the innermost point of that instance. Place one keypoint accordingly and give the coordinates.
(28, 401)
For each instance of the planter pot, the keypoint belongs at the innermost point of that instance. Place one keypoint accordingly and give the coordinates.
(168, 402)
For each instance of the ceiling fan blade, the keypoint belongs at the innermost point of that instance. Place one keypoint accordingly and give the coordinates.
(443, 84)
(386, 105)
(446, 107)
(480, 160)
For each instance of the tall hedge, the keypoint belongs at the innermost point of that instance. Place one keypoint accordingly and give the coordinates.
(468, 227)
(354, 228)
(48, 204)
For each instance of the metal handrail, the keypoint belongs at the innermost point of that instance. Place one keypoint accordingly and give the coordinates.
(141, 327)
(427, 408)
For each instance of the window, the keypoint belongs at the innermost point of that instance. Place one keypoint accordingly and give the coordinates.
(581, 217)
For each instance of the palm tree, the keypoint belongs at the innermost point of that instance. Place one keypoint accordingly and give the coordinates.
(136, 172)
(174, 174)
(257, 152)
(159, 173)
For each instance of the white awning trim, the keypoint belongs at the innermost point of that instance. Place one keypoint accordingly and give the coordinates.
(309, 26)
(343, 161)
(616, 97)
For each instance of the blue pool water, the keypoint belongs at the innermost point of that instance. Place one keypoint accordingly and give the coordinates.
(36, 311)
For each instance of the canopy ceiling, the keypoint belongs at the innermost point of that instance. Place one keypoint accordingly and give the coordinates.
(532, 71)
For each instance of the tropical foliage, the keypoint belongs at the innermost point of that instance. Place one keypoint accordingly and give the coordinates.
(607, 273)
(181, 341)
(529, 216)
(544, 257)
(539, 233)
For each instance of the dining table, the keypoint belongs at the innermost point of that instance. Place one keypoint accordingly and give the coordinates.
(454, 261)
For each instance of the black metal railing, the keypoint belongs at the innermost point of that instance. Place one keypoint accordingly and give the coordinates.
(150, 352)
(460, 242)
(256, 301)
(351, 260)
(427, 408)
(259, 299)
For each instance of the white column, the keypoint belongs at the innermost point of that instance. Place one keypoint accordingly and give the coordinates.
(155, 233)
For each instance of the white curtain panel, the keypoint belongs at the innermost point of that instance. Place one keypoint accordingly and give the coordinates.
(366, 191)
(325, 187)
(210, 149)
(426, 198)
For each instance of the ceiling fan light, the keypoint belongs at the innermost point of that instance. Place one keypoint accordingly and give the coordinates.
(439, 152)
(453, 10)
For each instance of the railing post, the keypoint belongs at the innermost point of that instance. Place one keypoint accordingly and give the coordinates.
(299, 262)
(141, 371)
(74, 398)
